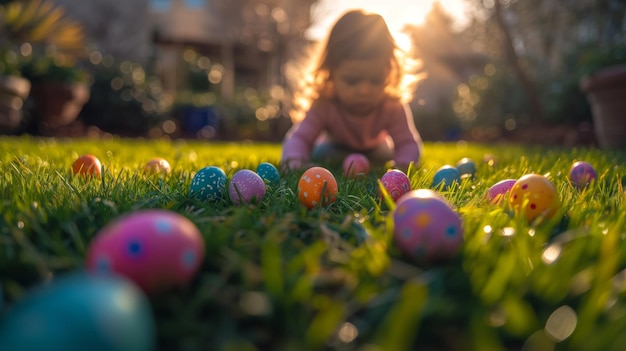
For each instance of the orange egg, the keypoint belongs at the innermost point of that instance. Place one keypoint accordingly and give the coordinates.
(157, 165)
(317, 186)
(87, 165)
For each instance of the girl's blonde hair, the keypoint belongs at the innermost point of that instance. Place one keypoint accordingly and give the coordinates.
(356, 35)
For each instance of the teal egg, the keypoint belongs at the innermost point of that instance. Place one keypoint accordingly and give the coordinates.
(466, 167)
(445, 177)
(208, 184)
(269, 173)
(80, 312)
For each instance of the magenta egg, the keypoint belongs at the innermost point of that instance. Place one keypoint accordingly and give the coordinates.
(581, 174)
(355, 164)
(499, 190)
(396, 183)
(246, 186)
(156, 249)
(426, 227)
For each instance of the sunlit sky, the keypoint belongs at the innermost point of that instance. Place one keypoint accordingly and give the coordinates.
(397, 13)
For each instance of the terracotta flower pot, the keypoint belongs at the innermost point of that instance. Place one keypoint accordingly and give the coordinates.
(606, 92)
(13, 92)
(58, 104)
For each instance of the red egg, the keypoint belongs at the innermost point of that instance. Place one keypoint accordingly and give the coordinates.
(396, 183)
(156, 249)
(87, 165)
(355, 164)
(317, 186)
(533, 195)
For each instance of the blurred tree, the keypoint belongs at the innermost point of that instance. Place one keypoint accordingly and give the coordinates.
(543, 44)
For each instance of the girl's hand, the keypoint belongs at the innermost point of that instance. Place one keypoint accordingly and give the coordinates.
(296, 164)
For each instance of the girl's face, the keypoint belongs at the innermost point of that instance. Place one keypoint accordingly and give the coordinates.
(359, 84)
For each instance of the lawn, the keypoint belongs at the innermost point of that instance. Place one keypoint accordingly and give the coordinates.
(277, 276)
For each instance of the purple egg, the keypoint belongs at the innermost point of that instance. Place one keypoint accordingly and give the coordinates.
(581, 174)
(426, 227)
(246, 186)
(396, 183)
(497, 191)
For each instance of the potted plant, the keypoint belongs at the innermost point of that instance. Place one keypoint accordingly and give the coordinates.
(59, 91)
(604, 83)
(50, 45)
(14, 90)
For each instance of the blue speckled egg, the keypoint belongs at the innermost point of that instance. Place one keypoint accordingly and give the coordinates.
(269, 173)
(209, 183)
(466, 167)
(445, 177)
(426, 227)
(80, 312)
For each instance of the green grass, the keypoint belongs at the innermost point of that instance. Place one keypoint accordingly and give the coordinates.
(315, 281)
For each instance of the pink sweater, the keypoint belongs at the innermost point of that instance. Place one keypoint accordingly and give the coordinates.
(358, 133)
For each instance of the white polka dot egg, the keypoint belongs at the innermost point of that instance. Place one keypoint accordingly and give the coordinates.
(156, 249)
(246, 187)
(426, 227)
(208, 184)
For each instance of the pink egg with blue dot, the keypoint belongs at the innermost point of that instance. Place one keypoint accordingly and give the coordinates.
(426, 227)
(396, 183)
(269, 173)
(355, 164)
(445, 177)
(498, 191)
(208, 184)
(246, 187)
(581, 174)
(156, 249)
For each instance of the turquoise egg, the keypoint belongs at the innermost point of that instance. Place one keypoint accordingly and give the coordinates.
(208, 184)
(269, 173)
(80, 312)
(466, 167)
(445, 177)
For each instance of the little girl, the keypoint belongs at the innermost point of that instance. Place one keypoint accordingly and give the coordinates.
(356, 100)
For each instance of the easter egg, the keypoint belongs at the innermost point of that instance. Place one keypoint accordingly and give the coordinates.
(581, 174)
(396, 183)
(533, 195)
(246, 187)
(498, 191)
(87, 165)
(269, 173)
(445, 177)
(426, 227)
(317, 186)
(156, 249)
(77, 312)
(208, 184)
(466, 167)
(157, 166)
(355, 164)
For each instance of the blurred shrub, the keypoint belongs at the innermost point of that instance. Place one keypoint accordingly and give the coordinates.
(490, 99)
(125, 99)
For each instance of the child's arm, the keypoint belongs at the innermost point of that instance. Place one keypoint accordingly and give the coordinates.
(299, 141)
(407, 140)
